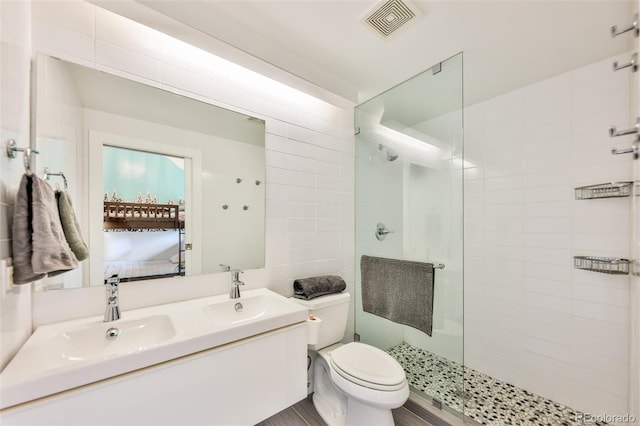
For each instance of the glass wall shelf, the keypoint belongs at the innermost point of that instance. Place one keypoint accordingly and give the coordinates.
(605, 265)
(604, 190)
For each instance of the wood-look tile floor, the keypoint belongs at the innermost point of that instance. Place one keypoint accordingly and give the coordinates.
(304, 414)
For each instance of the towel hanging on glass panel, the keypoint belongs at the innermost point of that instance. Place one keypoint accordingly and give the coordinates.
(398, 290)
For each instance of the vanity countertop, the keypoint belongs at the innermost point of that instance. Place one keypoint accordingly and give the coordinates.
(66, 355)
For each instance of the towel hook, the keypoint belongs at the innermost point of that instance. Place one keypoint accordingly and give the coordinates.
(633, 63)
(12, 150)
(48, 174)
(382, 231)
(633, 27)
(635, 149)
(613, 132)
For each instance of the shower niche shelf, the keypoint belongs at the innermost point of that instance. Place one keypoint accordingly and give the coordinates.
(603, 190)
(605, 265)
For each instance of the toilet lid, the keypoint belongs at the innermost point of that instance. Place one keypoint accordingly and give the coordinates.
(368, 366)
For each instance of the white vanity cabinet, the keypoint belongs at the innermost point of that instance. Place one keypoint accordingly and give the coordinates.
(240, 383)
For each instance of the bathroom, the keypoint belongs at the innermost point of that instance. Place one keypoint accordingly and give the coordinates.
(530, 318)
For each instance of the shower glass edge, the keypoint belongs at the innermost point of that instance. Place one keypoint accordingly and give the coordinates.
(409, 177)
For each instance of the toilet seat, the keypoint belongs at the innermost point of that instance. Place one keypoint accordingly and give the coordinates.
(368, 366)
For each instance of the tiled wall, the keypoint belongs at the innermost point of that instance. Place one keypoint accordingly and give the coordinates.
(530, 317)
(15, 304)
(309, 152)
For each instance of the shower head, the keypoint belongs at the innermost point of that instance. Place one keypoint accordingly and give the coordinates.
(391, 155)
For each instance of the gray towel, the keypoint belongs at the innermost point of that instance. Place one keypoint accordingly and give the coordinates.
(308, 288)
(70, 226)
(21, 243)
(398, 290)
(51, 252)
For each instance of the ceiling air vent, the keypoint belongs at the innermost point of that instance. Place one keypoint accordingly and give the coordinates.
(390, 15)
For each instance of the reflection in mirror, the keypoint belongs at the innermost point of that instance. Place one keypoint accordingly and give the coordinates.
(124, 165)
(143, 238)
(83, 117)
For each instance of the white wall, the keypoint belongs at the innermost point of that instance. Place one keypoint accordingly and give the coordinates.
(309, 157)
(15, 39)
(531, 319)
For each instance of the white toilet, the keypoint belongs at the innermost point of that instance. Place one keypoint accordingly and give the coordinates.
(354, 383)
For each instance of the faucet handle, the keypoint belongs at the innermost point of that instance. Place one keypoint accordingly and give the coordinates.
(234, 293)
(235, 274)
(112, 281)
(113, 311)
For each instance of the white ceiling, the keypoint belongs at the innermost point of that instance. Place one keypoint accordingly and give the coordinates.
(506, 44)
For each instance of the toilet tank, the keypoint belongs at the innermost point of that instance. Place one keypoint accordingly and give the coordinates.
(333, 310)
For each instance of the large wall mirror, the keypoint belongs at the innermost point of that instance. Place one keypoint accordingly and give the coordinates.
(162, 185)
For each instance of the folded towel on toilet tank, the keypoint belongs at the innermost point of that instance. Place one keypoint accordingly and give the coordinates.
(310, 287)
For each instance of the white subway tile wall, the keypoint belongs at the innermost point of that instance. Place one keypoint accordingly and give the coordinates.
(15, 39)
(530, 318)
(14, 115)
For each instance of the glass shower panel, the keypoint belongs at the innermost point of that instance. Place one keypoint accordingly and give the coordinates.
(409, 184)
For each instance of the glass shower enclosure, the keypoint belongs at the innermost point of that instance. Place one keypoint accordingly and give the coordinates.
(409, 206)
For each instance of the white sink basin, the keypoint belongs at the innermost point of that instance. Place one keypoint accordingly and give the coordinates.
(69, 354)
(249, 308)
(90, 342)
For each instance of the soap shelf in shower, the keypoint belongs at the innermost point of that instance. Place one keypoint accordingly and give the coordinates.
(604, 190)
(605, 265)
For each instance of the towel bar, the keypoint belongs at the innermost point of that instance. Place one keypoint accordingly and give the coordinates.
(438, 266)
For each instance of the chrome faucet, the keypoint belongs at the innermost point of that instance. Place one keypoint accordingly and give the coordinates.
(113, 311)
(235, 284)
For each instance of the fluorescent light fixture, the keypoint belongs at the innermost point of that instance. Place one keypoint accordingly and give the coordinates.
(208, 64)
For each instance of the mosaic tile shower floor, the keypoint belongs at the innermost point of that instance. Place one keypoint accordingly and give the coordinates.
(488, 401)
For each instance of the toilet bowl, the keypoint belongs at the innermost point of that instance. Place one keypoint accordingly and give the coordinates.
(353, 383)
